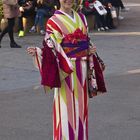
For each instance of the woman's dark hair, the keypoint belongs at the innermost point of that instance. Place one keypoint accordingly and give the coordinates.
(57, 3)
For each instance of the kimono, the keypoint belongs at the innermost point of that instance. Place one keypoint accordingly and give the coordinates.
(64, 67)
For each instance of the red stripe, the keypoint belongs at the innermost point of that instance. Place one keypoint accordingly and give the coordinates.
(63, 64)
(86, 108)
(53, 25)
(62, 27)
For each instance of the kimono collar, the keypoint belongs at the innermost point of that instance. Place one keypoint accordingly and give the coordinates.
(64, 13)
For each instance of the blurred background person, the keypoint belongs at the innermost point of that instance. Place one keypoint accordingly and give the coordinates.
(118, 4)
(10, 13)
(43, 9)
(27, 8)
(100, 20)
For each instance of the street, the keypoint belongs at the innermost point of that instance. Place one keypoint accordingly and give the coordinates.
(26, 111)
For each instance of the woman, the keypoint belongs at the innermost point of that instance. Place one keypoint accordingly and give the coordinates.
(101, 21)
(119, 4)
(44, 8)
(64, 66)
(10, 13)
(27, 8)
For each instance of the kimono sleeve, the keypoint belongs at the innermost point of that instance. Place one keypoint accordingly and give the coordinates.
(56, 35)
(55, 64)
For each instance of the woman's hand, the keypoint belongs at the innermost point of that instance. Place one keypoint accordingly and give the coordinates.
(92, 50)
(21, 9)
(31, 51)
(109, 5)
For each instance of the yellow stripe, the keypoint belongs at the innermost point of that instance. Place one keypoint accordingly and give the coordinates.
(56, 35)
(78, 25)
(63, 91)
(57, 110)
(67, 22)
(85, 30)
(75, 81)
(81, 23)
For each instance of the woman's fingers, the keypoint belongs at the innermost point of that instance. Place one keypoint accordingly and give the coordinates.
(31, 51)
(92, 50)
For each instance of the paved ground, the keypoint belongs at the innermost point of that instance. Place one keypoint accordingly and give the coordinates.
(26, 112)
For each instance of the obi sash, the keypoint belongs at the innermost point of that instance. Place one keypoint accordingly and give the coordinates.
(76, 50)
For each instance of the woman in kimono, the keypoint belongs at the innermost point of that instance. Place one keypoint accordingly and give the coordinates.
(64, 67)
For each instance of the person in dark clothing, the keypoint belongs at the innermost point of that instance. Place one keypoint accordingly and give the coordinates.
(103, 22)
(108, 17)
(100, 20)
(27, 8)
(106, 20)
(44, 9)
(56, 4)
(118, 4)
(123, 8)
(10, 13)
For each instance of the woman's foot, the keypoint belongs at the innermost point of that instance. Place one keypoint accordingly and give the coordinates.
(106, 28)
(14, 45)
(42, 32)
(21, 33)
(33, 29)
(101, 29)
(120, 17)
(125, 9)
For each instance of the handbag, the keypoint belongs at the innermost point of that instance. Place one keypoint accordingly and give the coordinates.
(101, 62)
(99, 7)
(113, 12)
(96, 82)
(10, 2)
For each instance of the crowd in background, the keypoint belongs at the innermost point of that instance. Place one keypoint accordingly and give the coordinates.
(105, 22)
(25, 9)
(45, 8)
(40, 9)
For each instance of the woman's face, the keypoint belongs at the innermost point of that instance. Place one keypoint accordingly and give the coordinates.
(66, 4)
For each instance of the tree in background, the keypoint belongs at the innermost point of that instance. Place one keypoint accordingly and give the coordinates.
(1, 9)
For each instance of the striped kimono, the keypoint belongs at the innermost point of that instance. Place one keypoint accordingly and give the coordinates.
(70, 108)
